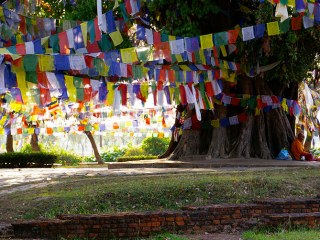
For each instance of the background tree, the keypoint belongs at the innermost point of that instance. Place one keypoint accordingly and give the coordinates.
(264, 135)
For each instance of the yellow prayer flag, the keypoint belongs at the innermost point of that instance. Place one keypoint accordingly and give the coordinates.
(3, 120)
(128, 55)
(291, 3)
(116, 37)
(179, 58)
(44, 41)
(84, 29)
(206, 41)
(171, 38)
(46, 63)
(49, 50)
(22, 85)
(72, 92)
(2, 18)
(34, 118)
(273, 28)
(4, 51)
(144, 89)
(202, 57)
(257, 112)
(19, 38)
(184, 67)
(224, 74)
(30, 130)
(231, 77)
(225, 64)
(1, 131)
(215, 123)
(110, 96)
(223, 50)
(14, 106)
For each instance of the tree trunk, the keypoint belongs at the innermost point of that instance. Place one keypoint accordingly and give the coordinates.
(34, 143)
(94, 147)
(188, 145)
(9, 143)
(261, 136)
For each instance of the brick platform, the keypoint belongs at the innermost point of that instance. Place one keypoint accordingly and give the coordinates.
(212, 218)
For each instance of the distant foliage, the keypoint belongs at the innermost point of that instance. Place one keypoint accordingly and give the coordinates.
(112, 154)
(135, 158)
(134, 151)
(155, 146)
(28, 149)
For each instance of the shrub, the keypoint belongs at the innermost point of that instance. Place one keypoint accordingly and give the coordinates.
(112, 155)
(155, 146)
(135, 158)
(64, 157)
(27, 148)
(134, 151)
(22, 160)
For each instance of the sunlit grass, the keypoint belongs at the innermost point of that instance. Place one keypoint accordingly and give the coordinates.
(79, 195)
(302, 234)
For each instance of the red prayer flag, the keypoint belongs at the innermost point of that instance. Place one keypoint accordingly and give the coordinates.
(156, 37)
(97, 30)
(171, 76)
(162, 75)
(21, 48)
(296, 23)
(87, 89)
(93, 47)
(183, 95)
(23, 26)
(209, 89)
(232, 36)
(63, 42)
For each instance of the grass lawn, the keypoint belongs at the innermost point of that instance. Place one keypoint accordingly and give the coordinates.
(302, 234)
(85, 195)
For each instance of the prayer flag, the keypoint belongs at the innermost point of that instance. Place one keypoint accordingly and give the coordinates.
(116, 37)
(206, 41)
(273, 28)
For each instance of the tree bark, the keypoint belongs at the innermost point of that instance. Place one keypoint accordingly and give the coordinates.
(34, 143)
(188, 145)
(261, 136)
(9, 143)
(94, 147)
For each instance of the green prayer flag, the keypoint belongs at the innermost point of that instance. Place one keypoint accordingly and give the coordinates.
(176, 95)
(77, 82)
(91, 31)
(29, 25)
(35, 93)
(30, 62)
(12, 49)
(285, 26)
(88, 128)
(80, 94)
(124, 12)
(164, 37)
(197, 56)
(32, 77)
(105, 44)
(54, 42)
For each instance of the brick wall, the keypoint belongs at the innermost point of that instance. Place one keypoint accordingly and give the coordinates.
(212, 218)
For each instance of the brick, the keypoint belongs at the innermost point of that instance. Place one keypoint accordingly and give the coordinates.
(155, 224)
(180, 223)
